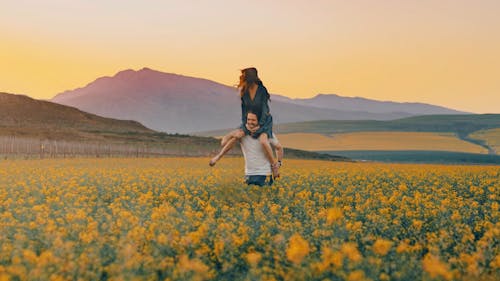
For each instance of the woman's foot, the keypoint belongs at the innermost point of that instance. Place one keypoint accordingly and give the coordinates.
(213, 161)
(275, 168)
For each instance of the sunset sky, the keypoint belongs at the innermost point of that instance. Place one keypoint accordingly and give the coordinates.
(444, 52)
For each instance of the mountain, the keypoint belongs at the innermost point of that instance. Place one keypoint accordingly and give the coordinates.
(333, 101)
(176, 103)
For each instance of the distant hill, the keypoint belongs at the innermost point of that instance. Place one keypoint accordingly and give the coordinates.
(19, 113)
(332, 101)
(176, 103)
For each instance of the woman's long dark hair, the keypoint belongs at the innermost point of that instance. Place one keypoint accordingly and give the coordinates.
(249, 77)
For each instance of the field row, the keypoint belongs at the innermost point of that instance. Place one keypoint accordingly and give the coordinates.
(380, 141)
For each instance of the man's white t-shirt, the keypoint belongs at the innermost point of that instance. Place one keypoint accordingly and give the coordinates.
(256, 162)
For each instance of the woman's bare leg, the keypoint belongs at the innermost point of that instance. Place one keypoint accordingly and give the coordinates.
(224, 139)
(238, 133)
(227, 146)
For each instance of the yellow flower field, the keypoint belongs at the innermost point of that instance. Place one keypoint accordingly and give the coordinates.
(176, 218)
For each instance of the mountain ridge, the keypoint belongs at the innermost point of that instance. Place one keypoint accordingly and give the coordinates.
(182, 104)
(335, 101)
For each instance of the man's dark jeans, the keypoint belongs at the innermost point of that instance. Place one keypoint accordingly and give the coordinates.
(259, 180)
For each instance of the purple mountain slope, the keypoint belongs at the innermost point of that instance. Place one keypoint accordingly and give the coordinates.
(179, 104)
(333, 101)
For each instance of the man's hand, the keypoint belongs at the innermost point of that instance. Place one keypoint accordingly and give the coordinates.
(252, 129)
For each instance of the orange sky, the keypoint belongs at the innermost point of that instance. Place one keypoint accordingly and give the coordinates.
(439, 52)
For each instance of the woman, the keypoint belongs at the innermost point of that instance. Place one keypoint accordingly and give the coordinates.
(253, 96)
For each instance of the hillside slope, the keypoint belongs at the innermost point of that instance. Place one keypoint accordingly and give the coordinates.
(23, 116)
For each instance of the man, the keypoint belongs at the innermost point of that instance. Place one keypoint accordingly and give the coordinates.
(257, 166)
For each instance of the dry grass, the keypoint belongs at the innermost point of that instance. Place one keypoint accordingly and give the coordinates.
(379, 141)
(491, 137)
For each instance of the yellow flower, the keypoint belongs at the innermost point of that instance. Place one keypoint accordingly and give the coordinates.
(384, 277)
(436, 268)
(382, 246)
(162, 239)
(417, 224)
(351, 251)
(455, 216)
(56, 277)
(195, 265)
(333, 215)
(495, 263)
(357, 275)
(4, 276)
(30, 256)
(278, 239)
(275, 209)
(218, 248)
(253, 258)
(402, 247)
(297, 249)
